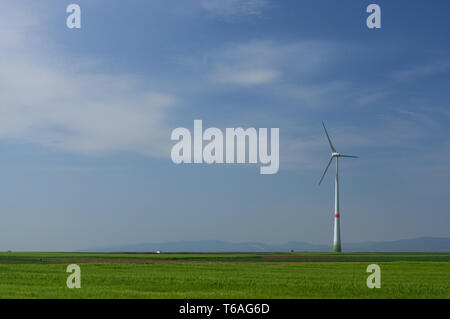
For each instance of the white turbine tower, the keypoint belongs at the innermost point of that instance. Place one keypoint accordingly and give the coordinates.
(337, 229)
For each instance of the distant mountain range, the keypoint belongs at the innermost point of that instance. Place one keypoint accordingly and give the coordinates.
(422, 244)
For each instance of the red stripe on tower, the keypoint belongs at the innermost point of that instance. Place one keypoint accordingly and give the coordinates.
(336, 215)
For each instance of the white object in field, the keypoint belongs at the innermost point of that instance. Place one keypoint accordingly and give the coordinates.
(158, 252)
(337, 228)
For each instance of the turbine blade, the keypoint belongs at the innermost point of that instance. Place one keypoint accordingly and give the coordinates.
(328, 137)
(352, 156)
(326, 169)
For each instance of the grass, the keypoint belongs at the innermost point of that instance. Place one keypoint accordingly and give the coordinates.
(403, 275)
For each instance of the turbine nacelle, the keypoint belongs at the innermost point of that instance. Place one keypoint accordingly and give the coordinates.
(336, 154)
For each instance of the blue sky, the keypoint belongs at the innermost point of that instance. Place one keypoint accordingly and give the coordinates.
(86, 117)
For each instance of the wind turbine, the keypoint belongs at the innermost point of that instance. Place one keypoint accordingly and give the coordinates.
(337, 228)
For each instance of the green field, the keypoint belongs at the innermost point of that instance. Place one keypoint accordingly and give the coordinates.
(230, 275)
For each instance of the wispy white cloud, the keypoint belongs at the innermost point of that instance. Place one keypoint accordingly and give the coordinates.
(422, 70)
(49, 98)
(371, 97)
(233, 8)
(437, 110)
(245, 77)
(263, 62)
(324, 94)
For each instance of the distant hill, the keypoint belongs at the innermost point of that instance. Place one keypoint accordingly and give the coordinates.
(432, 244)
(425, 244)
